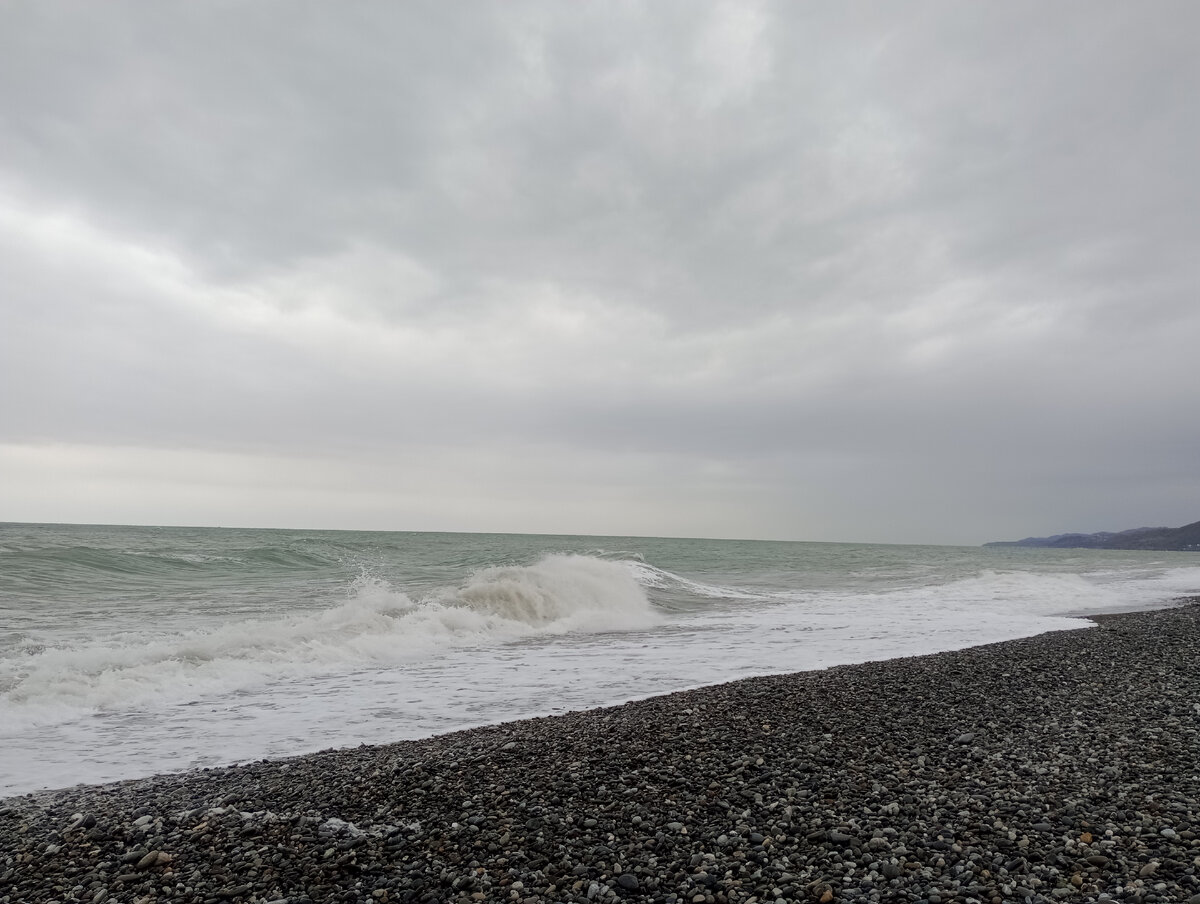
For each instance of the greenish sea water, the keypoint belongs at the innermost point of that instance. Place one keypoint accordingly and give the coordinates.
(131, 650)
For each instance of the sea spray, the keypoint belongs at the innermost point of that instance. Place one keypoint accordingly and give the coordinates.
(376, 626)
(127, 651)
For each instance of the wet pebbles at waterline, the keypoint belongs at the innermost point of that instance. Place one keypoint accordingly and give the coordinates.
(1062, 767)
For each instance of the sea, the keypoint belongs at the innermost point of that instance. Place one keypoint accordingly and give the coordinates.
(132, 651)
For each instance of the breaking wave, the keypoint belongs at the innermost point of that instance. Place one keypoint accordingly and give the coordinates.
(377, 626)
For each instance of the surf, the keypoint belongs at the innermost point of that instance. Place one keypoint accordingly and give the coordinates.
(377, 625)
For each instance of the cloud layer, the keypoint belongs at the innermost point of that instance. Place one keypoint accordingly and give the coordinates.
(923, 274)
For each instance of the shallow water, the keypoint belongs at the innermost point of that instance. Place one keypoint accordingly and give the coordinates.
(131, 650)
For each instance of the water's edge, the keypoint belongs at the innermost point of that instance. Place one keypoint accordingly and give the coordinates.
(48, 796)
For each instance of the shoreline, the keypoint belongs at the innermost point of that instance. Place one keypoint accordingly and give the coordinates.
(111, 763)
(1083, 618)
(1062, 766)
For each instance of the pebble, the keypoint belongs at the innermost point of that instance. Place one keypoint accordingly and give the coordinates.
(1077, 782)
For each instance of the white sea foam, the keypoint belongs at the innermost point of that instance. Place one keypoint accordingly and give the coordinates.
(1072, 594)
(649, 576)
(240, 654)
(376, 626)
(560, 593)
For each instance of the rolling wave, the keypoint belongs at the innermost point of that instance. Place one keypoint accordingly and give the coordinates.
(375, 627)
(660, 579)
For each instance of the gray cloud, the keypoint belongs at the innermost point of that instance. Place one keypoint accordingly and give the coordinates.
(849, 273)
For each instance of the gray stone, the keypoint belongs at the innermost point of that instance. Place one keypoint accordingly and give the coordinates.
(446, 818)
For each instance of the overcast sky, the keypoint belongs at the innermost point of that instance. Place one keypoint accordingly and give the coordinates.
(886, 272)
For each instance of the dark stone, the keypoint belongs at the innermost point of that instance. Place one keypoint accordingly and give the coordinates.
(844, 745)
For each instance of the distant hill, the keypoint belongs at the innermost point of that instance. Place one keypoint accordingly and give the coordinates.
(1164, 538)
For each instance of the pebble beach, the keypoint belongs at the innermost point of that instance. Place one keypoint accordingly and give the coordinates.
(1062, 767)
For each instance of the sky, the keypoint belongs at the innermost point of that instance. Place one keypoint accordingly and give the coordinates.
(905, 273)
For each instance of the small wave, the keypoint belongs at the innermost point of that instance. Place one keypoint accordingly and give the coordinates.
(376, 627)
(650, 576)
(1013, 595)
(1049, 595)
(284, 556)
(159, 563)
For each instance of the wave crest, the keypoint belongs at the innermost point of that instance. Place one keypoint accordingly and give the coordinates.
(575, 592)
(376, 627)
